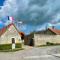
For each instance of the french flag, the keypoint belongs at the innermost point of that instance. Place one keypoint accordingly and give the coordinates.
(10, 18)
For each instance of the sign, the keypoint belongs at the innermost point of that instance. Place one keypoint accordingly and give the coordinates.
(13, 46)
(13, 43)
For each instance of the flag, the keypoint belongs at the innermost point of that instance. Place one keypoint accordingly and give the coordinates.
(10, 18)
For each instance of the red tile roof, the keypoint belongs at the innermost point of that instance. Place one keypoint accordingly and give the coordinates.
(21, 33)
(2, 31)
(57, 32)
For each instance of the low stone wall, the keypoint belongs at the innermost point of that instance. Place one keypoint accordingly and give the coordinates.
(40, 39)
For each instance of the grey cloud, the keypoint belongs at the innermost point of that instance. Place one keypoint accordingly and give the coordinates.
(39, 12)
(32, 12)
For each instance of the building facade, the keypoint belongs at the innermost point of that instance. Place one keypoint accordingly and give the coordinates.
(9, 35)
(50, 35)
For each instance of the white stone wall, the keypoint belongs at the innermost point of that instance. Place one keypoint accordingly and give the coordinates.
(6, 38)
(40, 39)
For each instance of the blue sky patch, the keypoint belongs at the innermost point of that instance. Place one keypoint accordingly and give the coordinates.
(1, 2)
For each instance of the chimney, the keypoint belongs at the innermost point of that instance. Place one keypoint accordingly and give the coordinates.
(53, 27)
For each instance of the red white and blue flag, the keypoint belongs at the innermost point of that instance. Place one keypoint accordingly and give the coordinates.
(10, 18)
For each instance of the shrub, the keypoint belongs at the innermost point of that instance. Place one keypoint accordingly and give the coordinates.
(49, 43)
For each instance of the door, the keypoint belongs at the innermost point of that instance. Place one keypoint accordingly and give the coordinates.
(13, 40)
(31, 42)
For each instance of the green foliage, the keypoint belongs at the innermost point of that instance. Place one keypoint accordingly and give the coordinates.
(10, 50)
(49, 43)
(5, 46)
(9, 46)
(18, 45)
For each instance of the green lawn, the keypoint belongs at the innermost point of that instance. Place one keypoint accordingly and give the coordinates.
(49, 44)
(10, 50)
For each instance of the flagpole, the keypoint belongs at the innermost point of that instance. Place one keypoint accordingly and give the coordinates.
(20, 26)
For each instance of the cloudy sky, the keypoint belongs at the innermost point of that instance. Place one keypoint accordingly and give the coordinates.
(34, 14)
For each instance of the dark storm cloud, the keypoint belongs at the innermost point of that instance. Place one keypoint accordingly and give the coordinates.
(38, 11)
(32, 12)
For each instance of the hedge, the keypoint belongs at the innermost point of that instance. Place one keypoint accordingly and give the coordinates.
(9, 46)
(18, 45)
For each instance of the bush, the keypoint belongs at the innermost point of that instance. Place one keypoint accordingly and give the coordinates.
(49, 43)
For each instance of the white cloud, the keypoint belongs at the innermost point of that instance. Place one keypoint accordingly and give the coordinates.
(21, 9)
(11, 7)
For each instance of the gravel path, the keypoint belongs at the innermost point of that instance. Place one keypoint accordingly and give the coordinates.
(42, 53)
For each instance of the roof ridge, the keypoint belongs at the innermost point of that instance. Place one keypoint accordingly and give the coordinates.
(56, 31)
(3, 30)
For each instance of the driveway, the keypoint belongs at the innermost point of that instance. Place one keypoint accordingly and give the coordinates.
(33, 53)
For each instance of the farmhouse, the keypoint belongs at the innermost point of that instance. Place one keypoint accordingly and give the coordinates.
(50, 35)
(10, 34)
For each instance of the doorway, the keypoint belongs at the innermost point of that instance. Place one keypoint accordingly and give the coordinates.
(31, 42)
(13, 40)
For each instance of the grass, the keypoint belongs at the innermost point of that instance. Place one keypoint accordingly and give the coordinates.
(46, 45)
(49, 44)
(18, 45)
(8, 47)
(5, 46)
(10, 50)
